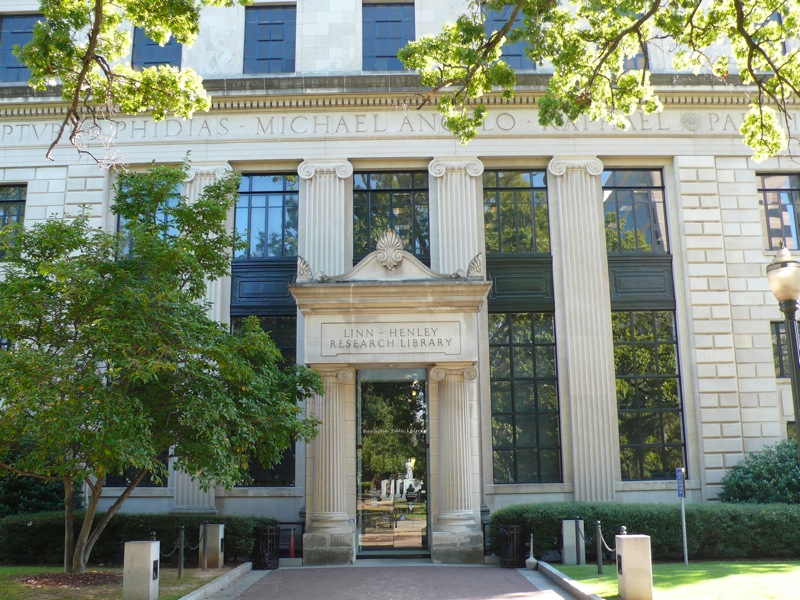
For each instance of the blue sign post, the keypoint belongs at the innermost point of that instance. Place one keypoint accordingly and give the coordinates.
(680, 476)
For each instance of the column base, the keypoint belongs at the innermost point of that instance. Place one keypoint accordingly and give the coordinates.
(457, 547)
(322, 548)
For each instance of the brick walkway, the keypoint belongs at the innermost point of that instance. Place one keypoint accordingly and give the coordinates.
(418, 582)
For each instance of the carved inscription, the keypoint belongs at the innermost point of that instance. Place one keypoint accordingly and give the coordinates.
(391, 338)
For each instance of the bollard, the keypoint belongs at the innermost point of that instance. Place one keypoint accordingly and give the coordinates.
(181, 544)
(204, 549)
(599, 544)
(140, 575)
(214, 545)
(634, 567)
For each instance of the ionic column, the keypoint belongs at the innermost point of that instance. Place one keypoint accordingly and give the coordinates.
(583, 321)
(218, 292)
(455, 510)
(328, 453)
(325, 215)
(456, 211)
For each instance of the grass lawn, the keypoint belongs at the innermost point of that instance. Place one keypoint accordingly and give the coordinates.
(170, 587)
(743, 580)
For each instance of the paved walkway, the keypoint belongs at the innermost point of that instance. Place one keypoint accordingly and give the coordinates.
(388, 580)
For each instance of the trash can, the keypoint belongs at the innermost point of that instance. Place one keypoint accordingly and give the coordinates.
(266, 548)
(512, 553)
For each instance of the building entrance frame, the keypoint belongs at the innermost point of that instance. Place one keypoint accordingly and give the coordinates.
(391, 311)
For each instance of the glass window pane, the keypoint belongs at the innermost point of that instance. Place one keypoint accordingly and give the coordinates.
(515, 213)
(634, 212)
(501, 397)
(267, 210)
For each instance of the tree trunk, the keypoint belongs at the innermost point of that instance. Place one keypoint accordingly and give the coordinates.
(79, 554)
(69, 523)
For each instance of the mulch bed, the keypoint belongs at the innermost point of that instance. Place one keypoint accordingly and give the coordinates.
(67, 580)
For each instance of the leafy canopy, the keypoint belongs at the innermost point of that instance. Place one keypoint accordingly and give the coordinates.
(590, 45)
(113, 361)
(79, 45)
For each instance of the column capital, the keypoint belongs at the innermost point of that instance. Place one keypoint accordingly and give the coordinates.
(561, 164)
(208, 171)
(443, 373)
(439, 166)
(311, 168)
(339, 375)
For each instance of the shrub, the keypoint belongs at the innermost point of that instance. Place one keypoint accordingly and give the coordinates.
(714, 530)
(28, 495)
(769, 476)
(39, 538)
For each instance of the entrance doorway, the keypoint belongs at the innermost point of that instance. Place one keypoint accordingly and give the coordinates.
(392, 462)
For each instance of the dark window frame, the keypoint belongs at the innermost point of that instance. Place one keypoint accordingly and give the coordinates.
(493, 192)
(788, 218)
(386, 28)
(15, 30)
(367, 198)
(283, 331)
(513, 52)
(147, 53)
(253, 186)
(654, 212)
(646, 379)
(270, 39)
(523, 374)
(780, 349)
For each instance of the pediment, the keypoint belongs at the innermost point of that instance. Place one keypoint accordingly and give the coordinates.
(389, 262)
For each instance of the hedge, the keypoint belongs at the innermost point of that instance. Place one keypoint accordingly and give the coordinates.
(39, 538)
(713, 530)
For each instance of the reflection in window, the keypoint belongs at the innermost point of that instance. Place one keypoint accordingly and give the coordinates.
(515, 212)
(780, 195)
(391, 200)
(270, 39)
(147, 53)
(648, 394)
(513, 52)
(12, 206)
(266, 216)
(386, 29)
(526, 444)
(15, 30)
(634, 212)
(283, 331)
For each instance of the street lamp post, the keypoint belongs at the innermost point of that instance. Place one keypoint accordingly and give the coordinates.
(783, 274)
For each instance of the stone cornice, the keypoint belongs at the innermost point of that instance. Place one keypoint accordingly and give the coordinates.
(401, 91)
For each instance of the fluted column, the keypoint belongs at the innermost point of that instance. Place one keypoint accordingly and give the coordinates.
(218, 292)
(583, 321)
(328, 453)
(455, 501)
(325, 227)
(456, 211)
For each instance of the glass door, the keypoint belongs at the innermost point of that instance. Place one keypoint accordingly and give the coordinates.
(392, 456)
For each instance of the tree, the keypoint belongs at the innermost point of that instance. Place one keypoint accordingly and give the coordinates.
(765, 477)
(112, 362)
(78, 44)
(590, 44)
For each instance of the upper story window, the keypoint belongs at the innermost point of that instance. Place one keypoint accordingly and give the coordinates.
(266, 216)
(386, 29)
(147, 53)
(780, 195)
(515, 212)
(12, 204)
(513, 52)
(269, 39)
(634, 212)
(15, 30)
(391, 200)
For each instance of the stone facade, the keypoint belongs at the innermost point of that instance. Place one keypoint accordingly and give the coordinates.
(328, 121)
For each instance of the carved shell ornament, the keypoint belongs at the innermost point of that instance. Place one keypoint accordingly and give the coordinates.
(389, 248)
(303, 269)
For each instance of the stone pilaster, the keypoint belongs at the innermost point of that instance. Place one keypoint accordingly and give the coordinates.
(456, 534)
(189, 497)
(583, 319)
(325, 228)
(330, 538)
(218, 292)
(456, 211)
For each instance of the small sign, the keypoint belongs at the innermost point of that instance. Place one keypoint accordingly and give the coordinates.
(679, 478)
